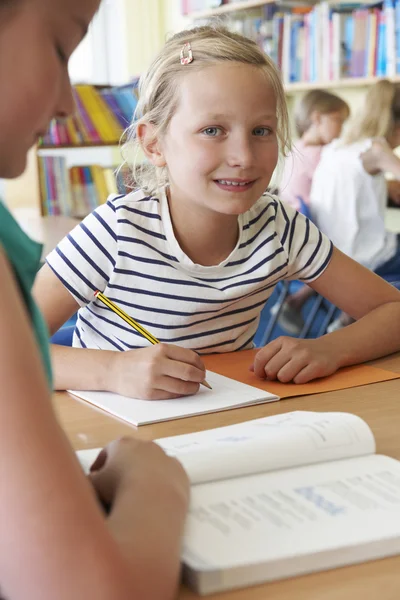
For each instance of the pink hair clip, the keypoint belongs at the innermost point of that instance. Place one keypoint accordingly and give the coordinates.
(186, 54)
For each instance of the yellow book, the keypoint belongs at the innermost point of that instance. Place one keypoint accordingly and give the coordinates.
(94, 112)
(111, 119)
(72, 132)
(43, 187)
(110, 181)
(100, 183)
(106, 125)
(372, 43)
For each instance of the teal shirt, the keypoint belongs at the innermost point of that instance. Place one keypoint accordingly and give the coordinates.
(24, 255)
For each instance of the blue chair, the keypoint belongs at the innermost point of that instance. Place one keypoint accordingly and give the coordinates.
(63, 337)
(321, 312)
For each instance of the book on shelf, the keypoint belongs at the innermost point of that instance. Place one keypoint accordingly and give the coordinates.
(78, 190)
(101, 116)
(282, 496)
(325, 41)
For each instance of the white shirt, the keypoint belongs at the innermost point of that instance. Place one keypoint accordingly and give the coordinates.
(127, 249)
(348, 205)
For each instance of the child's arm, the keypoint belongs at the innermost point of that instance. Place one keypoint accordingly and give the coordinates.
(380, 157)
(157, 372)
(50, 524)
(357, 291)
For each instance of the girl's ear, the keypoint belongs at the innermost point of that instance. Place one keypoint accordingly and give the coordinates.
(150, 144)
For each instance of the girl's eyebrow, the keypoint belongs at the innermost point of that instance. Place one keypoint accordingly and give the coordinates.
(220, 116)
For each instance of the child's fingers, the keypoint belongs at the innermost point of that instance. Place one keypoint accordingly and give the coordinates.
(183, 371)
(184, 355)
(308, 373)
(100, 461)
(174, 387)
(263, 357)
(291, 369)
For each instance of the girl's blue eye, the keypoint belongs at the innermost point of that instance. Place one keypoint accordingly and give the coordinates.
(262, 131)
(212, 131)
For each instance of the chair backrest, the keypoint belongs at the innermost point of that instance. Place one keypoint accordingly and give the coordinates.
(304, 209)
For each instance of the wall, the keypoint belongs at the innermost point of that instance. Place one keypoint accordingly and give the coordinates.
(144, 32)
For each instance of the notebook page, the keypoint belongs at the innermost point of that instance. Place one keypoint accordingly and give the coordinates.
(226, 393)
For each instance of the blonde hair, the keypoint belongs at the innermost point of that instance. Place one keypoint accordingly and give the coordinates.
(316, 101)
(378, 116)
(158, 89)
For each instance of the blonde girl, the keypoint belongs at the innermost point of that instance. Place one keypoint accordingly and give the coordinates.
(349, 191)
(196, 251)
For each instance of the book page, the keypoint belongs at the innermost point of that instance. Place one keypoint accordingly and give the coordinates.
(287, 515)
(270, 443)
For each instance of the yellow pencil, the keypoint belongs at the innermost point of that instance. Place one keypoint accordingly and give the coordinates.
(139, 328)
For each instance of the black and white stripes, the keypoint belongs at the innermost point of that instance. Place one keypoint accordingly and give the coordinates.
(127, 250)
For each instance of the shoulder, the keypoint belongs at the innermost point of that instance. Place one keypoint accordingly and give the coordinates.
(271, 212)
(136, 199)
(267, 203)
(271, 206)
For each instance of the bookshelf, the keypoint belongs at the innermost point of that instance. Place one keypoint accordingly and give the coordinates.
(339, 46)
(224, 9)
(345, 83)
(76, 159)
(80, 145)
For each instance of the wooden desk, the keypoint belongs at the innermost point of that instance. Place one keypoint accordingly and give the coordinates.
(378, 404)
(48, 230)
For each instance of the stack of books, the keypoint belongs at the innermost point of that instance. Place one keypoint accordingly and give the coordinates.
(101, 116)
(77, 191)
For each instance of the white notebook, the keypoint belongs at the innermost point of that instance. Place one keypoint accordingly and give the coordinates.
(282, 496)
(226, 393)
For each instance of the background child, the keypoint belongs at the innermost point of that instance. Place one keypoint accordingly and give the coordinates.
(195, 253)
(319, 118)
(349, 191)
(54, 540)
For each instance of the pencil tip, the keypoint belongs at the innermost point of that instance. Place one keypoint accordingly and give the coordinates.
(207, 385)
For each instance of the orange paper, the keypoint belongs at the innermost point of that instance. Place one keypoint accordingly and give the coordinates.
(236, 366)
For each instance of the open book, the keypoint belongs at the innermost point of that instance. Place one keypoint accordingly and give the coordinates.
(284, 495)
(225, 394)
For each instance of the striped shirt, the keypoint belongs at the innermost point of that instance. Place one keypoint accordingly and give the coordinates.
(127, 249)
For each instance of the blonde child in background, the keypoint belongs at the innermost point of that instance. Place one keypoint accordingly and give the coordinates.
(349, 190)
(195, 253)
(319, 117)
(55, 541)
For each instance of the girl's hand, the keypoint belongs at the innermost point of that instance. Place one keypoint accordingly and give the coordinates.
(291, 359)
(393, 187)
(159, 372)
(373, 159)
(129, 463)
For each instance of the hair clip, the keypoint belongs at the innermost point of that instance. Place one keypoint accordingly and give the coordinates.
(186, 54)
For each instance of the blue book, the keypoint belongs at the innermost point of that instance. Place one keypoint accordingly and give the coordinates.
(348, 43)
(292, 51)
(397, 33)
(381, 52)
